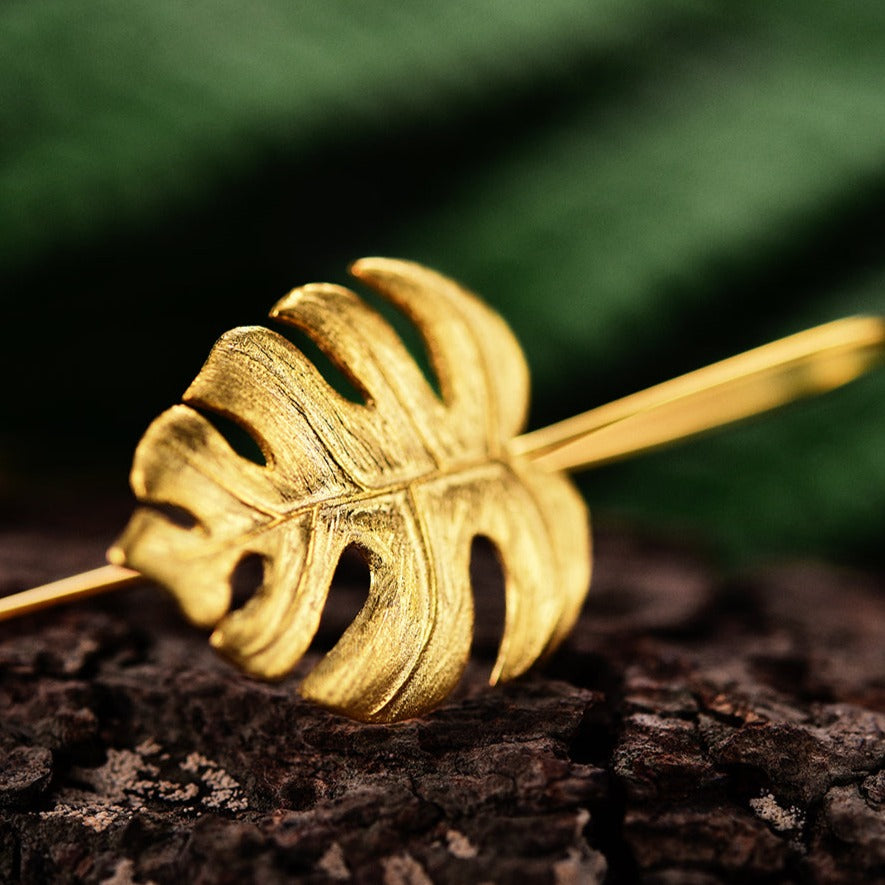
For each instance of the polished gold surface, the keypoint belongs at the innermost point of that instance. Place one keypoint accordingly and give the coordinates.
(408, 477)
(808, 363)
(91, 583)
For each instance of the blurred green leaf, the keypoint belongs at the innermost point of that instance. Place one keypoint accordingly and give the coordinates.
(640, 187)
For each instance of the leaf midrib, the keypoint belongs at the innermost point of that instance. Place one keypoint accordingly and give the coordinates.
(459, 474)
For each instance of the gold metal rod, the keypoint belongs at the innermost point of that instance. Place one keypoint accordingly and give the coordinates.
(811, 362)
(99, 580)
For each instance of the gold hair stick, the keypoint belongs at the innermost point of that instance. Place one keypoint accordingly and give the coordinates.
(406, 476)
(808, 363)
(805, 364)
(71, 589)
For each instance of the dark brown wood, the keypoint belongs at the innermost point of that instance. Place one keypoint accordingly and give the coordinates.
(692, 730)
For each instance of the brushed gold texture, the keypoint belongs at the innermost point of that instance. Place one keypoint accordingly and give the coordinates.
(406, 476)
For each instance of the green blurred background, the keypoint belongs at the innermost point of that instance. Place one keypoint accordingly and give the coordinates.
(639, 187)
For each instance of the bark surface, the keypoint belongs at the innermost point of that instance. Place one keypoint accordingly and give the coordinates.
(692, 729)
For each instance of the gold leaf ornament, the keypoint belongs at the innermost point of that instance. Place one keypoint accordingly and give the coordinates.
(407, 476)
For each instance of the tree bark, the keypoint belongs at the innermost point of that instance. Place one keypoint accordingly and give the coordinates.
(692, 729)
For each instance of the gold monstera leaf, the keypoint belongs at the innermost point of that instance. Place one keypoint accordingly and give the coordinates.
(409, 477)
